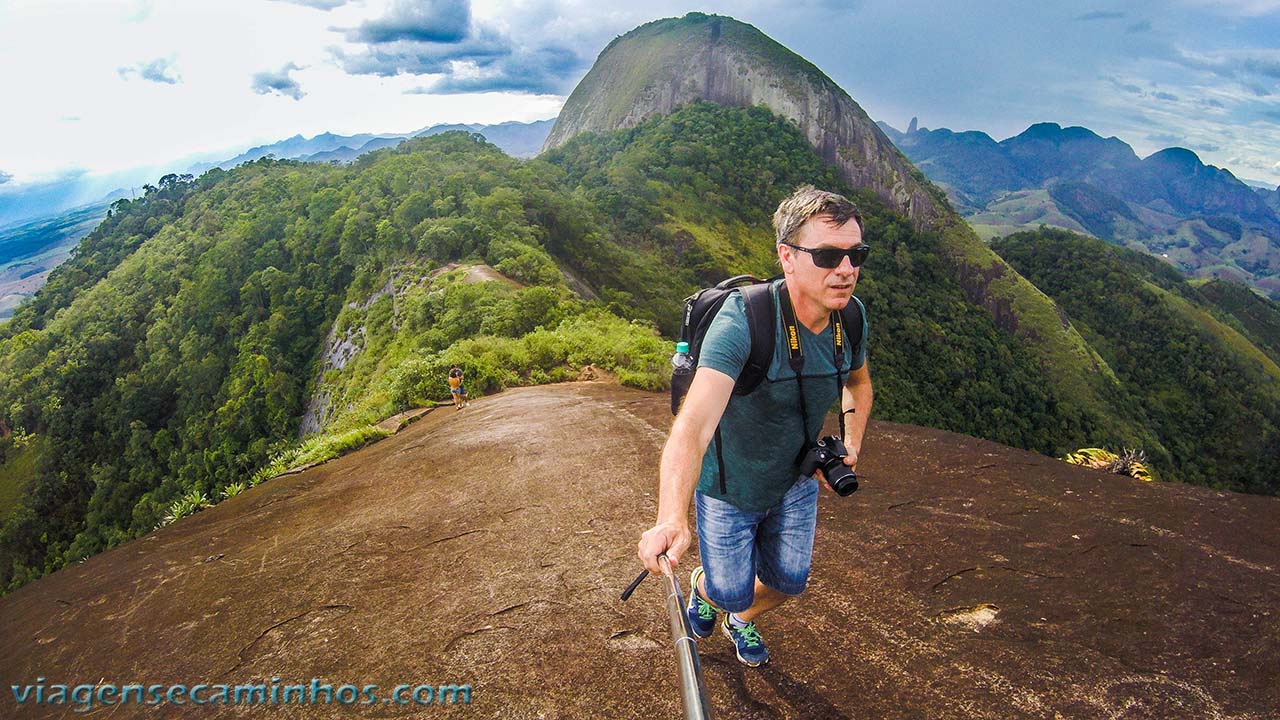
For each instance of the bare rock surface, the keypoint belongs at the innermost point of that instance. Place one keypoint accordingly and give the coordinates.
(488, 547)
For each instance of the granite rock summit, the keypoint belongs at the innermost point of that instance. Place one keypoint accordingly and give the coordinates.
(667, 63)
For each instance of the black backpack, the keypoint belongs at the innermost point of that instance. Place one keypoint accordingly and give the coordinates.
(701, 307)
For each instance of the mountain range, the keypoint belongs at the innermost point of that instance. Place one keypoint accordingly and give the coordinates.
(23, 203)
(517, 139)
(1199, 217)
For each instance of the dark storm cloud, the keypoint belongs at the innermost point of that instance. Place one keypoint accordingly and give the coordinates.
(541, 71)
(435, 21)
(439, 38)
(422, 58)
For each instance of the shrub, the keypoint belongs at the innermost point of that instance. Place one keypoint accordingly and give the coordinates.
(189, 504)
(1127, 462)
(233, 489)
(632, 350)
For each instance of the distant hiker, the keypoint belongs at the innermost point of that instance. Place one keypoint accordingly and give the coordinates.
(756, 521)
(456, 388)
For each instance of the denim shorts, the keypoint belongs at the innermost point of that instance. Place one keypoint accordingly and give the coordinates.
(776, 545)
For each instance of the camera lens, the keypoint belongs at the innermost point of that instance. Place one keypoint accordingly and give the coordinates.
(841, 479)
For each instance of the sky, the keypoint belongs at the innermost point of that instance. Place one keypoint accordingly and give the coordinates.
(103, 86)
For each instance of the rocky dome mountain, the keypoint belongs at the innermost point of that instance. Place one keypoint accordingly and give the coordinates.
(668, 63)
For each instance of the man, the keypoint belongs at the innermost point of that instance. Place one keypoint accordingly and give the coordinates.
(755, 533)
(456, 388)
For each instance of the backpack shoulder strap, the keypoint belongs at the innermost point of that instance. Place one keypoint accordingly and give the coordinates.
(757, 300)
(851, 317)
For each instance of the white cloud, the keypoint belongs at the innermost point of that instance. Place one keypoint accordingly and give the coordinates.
(159, 70)
(278, 82)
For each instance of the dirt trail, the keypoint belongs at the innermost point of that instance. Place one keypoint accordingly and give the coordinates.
(488, 547)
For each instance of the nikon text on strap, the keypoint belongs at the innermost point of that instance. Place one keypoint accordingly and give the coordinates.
(795, 356)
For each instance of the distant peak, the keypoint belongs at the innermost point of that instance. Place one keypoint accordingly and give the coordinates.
(1044, 129)
(1054, 132)
(1177, 154)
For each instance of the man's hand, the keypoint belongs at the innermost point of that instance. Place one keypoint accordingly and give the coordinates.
(670, 538)
(851, 460)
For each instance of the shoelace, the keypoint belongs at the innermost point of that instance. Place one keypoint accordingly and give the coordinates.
(705, 611)
(750, 636)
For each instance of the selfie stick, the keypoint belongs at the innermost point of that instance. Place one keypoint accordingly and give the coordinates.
(692, 692)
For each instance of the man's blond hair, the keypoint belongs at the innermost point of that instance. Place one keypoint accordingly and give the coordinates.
(806, 202)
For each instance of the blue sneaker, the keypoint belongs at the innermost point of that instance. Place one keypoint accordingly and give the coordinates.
(701, 614)
(748, 643)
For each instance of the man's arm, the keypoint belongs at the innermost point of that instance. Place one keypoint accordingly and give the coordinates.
(857, 396)
(681, 465)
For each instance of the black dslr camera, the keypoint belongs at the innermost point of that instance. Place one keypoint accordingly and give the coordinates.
(827, 455)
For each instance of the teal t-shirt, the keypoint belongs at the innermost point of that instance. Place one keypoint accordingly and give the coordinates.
(762, 431)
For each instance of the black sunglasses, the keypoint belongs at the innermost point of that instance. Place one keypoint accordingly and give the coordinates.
(829, 258)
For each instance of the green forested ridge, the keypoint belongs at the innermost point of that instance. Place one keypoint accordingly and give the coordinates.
(18, 458)
(1259, 317)
(1094, 208)
(178, 368)
(1211, 396)
(193, 330)
(129, 223)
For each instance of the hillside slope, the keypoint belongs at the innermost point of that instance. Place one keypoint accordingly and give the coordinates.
(489, 546)
(1209, 393)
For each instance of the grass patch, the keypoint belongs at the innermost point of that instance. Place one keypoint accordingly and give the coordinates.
(318, 449)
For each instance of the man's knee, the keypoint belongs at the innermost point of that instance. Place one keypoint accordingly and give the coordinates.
(788, 579)
(786, 591)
